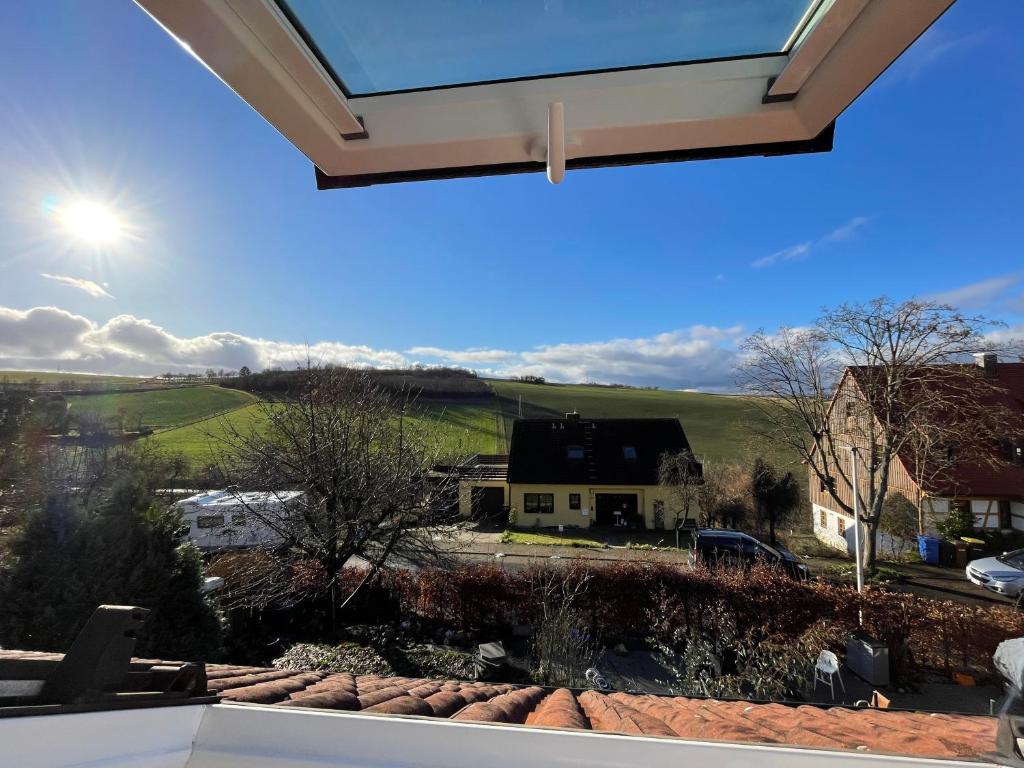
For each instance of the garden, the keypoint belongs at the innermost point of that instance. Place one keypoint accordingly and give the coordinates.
(718, 632)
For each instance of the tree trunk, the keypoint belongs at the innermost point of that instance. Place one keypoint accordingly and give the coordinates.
(870, 543)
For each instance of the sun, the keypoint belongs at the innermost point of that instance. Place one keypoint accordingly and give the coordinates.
(91, 222)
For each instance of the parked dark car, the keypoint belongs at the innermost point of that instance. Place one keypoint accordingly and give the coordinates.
(715, 546)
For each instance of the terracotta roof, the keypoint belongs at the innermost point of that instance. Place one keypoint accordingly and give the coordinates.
(974, 478)
(885, 731)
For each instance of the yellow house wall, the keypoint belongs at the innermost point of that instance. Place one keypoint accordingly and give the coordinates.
(466, 493)
(646, 496)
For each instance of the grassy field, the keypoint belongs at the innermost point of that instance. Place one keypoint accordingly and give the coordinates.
(189, 419)
(198, 442)
(164, 408)
(717, 426)
(49, 377)
(465, 428)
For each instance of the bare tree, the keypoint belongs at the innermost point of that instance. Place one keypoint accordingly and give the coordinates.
(892, 368)
(364, 466)
(564, 645)
(713, 492)
(775, 495)
(680, 473)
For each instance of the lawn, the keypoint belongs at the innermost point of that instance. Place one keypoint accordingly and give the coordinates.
(717, 426)
(163, 408)
(549, 539)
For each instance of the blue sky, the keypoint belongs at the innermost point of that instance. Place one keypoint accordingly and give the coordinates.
(641, 275)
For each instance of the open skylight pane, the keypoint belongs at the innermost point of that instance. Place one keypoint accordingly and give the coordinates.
(399, 45)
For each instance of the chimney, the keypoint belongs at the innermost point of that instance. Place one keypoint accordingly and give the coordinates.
(572, 418)
(989, 361)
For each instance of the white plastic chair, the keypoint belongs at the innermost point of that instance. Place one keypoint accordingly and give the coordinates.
(826, 670)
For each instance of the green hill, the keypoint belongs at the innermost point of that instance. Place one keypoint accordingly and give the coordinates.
(189, 420)
(161, 408)
(717, 426)
(50, 377)
(464, 427)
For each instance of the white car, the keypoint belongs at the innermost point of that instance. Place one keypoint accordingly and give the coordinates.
(1003, 574)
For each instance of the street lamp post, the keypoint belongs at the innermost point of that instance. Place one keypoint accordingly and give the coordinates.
(856, 520)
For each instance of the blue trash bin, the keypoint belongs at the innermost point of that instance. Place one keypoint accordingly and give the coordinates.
(928, 546)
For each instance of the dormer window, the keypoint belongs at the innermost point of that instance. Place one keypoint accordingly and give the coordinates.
(574, 453)
(629, 452)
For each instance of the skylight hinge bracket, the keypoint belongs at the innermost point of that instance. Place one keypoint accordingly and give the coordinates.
(363, 134)
(775, 98)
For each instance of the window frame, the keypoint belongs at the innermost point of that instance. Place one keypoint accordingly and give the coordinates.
(539, 501)
(203, 522)
(576, 501)
(782, 103)
(627, 450)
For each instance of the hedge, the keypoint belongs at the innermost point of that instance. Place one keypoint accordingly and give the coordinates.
(650, 599)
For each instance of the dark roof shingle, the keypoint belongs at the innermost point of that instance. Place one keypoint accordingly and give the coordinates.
(539, 451)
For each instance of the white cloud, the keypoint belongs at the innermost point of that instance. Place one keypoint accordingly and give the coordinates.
(88, 286)
(978, 295)
(463, 356)
(935, 45)
(48, 338)
(793, 253)
(41, 331)
(803, 250)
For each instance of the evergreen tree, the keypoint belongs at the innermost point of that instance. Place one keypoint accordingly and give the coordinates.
(118, 547)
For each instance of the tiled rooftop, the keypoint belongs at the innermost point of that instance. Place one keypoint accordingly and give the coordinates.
(884, 731)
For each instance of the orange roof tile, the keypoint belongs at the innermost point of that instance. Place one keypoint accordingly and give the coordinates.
(885, 731)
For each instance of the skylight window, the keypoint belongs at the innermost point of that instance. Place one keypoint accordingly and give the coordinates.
(397, 90)
(402, 45)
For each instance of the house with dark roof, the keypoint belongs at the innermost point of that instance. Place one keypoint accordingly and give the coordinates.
(993, 491)
(581, 472)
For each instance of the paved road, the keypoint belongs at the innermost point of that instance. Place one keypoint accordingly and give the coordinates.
(929, 581)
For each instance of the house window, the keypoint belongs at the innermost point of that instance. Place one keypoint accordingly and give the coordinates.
(851, 410)
(823, 518)
(209, 521)
(840, 525)
(238, 518)
(574, 453)
(1015, 452)
(629, 452)
(574, 501)
(539, 503)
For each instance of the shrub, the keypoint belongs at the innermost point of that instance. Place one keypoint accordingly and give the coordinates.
(959, 522)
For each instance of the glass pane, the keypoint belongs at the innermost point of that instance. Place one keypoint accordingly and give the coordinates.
(390, 45)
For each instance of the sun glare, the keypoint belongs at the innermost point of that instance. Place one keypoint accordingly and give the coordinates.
(91, 222)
